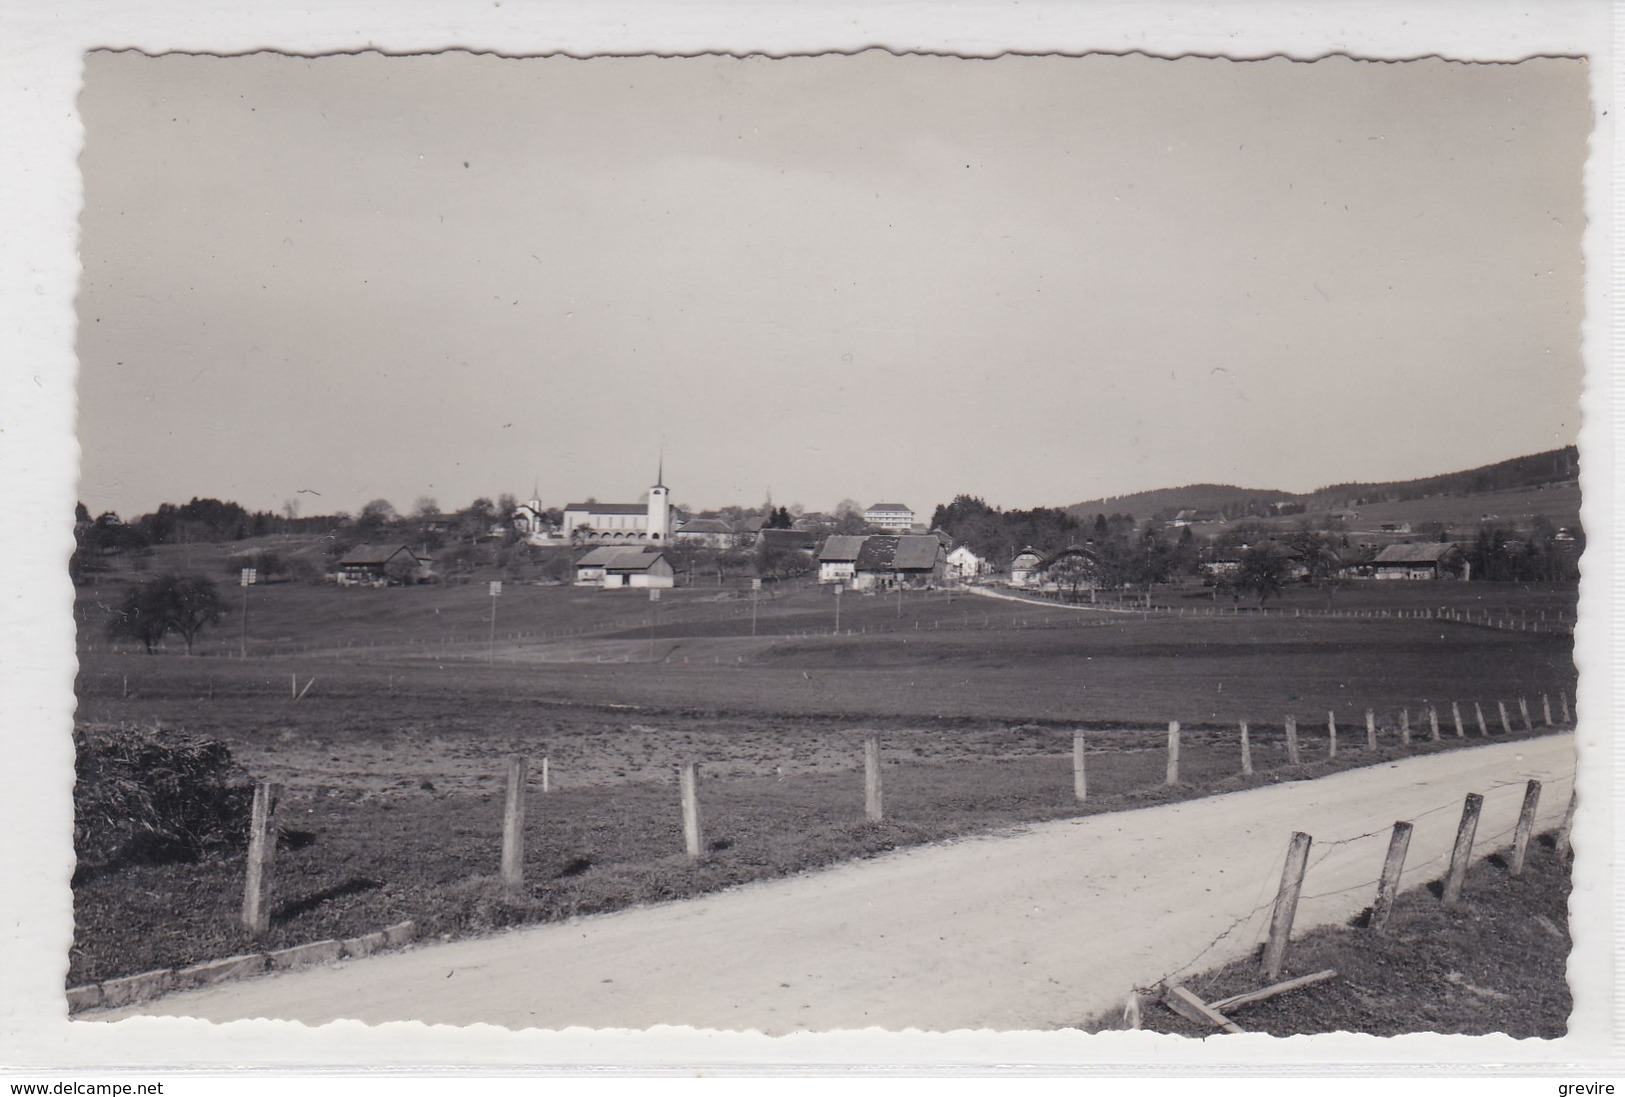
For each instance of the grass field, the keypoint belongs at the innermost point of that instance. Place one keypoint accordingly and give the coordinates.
(394, 754)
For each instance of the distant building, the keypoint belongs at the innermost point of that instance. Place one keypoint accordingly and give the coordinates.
(381, 566)
(1428, 560)
(529, 520)
(1027, 568)
(793, 540)
(623, 523)
(893, 516)
(615, 566)
(710, 532)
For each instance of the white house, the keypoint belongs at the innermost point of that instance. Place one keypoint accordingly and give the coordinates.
(647, 523)
(963, 564)
(616, 566)
(890, 516)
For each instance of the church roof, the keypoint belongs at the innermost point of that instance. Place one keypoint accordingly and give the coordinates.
(610, 508)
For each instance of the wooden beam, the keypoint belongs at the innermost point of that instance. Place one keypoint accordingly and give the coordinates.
(1192, 1008)
(1237, 1000)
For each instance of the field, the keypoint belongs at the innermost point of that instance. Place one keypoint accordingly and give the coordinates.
(393, 755)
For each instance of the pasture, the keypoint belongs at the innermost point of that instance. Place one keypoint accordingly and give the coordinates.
(388, 714)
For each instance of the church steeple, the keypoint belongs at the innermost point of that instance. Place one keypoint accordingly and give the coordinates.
(660, 475)
(658, 524)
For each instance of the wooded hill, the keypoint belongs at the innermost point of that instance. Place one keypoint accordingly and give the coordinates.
(1553, 466)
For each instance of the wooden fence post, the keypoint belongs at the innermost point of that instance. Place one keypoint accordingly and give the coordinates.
(1286, 905)
(513, 825)
(1546, 707)
(547, 779)
(1523, 710)
(1246, 751)
(1331, 735)
(1526, 826)
(1433, 722)
(688, 782)
(1506, 725)
(261, 856)
(1565, 833)
(1173, 753)
(1405, 726)
(1455, 710)
(1370, 730)
(1292, 740)
(1080, 775)
(1483, 728)
(1462, 855)
(872, 807)
(1388, 884)
(1562, 696)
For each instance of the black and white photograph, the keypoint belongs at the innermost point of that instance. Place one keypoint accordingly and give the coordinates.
(1077, 544)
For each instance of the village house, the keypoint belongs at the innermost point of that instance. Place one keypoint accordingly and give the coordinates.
(964, 565)
(890, 516)
(706, 532)
(613, 567)
(1027, 568)
(790, 540)
(381, 566)
(1429, 560)
(838, 559)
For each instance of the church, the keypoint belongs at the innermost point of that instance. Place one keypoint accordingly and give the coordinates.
(647, 523)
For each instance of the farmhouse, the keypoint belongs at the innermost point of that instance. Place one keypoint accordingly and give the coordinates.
(885, 562)
(613, 567)
(1027, 568)
(381, 566)
(889, 516)
(1431, 560)
(789, 540)
(838, 559)
(623, 523)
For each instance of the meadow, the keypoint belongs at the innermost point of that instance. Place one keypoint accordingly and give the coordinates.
(388, 715)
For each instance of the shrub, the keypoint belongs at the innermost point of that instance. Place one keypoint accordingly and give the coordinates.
(149, 795)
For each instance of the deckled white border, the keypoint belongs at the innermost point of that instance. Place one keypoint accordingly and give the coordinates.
(41, 48)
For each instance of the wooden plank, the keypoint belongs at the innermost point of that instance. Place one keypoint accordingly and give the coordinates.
(1370, 730)
(1292, 740)
(256, 916)
(1236, 1001)
(1433, 723)
(688, 781)
(1455, 710)
(513, 824)
(1172, 777)
(1192, 1008)
(1246, 751)
(1331, 735)
(1080, 774)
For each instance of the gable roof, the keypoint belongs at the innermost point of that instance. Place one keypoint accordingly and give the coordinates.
(877, 553)
(619, 558)
(788, 538)
(842, 547)
(610, 508)
(706, 525)
(374, 554)
(917, 553)
(1427, 552)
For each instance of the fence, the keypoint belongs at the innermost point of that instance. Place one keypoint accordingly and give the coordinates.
(1270, 922)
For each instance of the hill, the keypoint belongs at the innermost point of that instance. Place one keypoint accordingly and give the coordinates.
(1559, 466)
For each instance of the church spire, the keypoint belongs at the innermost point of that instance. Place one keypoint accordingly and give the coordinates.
(660, 476)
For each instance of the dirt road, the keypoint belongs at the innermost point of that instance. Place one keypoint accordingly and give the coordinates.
(1027, 931)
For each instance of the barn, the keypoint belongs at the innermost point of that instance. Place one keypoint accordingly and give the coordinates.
(838, 559)
(1428, 560)
(381, 566)
(615, 567)
(885, 562)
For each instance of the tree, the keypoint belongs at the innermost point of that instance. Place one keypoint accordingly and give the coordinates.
(1263, 572)
(1321, 559)
(427, 506)
(849, 517)
(170, 603)
(376, 517)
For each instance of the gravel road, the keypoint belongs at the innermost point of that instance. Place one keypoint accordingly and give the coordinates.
(1035, 929)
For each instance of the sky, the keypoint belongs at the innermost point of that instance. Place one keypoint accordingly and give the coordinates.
(1038, 280)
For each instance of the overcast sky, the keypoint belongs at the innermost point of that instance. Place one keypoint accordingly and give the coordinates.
(1037, 280)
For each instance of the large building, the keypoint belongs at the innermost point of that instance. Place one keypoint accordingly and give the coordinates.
(890, 516)
(649, 523)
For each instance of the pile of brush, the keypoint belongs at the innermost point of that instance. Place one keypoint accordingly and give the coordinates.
(149, 795)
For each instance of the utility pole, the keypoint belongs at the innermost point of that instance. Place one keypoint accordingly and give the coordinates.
(838, 609)
(654, 600)
(755, 590)
(496, 591)
(248, 579)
